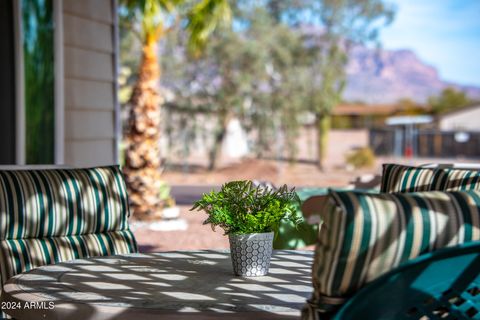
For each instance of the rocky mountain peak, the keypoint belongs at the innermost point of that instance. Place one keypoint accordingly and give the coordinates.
(385, 76)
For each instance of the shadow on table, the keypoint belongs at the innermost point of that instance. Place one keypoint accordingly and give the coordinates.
(190, 284)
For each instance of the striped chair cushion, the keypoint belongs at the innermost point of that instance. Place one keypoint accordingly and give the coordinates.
(25, 254)
(456, 180)
(365, 235)
(61, 202)
(49, 216)
(400, 178)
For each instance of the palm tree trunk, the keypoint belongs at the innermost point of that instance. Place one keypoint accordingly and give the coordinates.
(142, 158)
(322, 124)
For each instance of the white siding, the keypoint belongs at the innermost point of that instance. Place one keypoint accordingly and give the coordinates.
(85, 94)
(87, 34)
(89, 125)
(88, 65)
(88, 153)
(468, 120)
(95, 10)
(90, 88)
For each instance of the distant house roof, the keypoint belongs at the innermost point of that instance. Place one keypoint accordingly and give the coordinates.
(363, 110)
(357, 109)
(459, 110)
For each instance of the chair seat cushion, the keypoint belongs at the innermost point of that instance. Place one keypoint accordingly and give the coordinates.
(25, 254)
(365, 235)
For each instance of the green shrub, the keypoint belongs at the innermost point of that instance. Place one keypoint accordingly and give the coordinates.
(361, 158)
(241, 208)
(165, 194)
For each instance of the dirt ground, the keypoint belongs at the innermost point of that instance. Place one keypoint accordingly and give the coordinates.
(196, 236)
(199, 236)
(300, 174)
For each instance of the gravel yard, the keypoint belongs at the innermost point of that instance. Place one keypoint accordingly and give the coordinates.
(196, 236)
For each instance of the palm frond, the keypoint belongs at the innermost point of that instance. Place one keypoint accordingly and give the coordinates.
(149, 13)
(203, 19)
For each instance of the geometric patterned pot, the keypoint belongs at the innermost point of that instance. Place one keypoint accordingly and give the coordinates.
(251, 253)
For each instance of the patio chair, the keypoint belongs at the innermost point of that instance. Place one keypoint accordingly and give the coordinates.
(315, 204)
(53, 215)
(367, 234)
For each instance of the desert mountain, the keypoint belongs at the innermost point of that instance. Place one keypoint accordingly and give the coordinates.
(385, 76)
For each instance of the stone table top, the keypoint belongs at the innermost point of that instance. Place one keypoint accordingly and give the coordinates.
(179, 285)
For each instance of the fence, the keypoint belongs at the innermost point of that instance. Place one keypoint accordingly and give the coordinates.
(425, 143)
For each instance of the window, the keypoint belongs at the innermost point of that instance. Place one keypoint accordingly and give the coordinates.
(7, 84)
(39, 86)
(34, 79)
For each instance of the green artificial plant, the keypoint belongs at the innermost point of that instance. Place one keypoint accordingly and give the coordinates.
(242, 208)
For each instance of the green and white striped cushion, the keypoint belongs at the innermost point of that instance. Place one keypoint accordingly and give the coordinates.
(400, 178)
(456, 180)
(49, 216)
(25, 254)
(59, 202)
(365, 235)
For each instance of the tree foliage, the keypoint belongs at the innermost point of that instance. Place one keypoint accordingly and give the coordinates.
(279, 63)
(449, 99)
(251, 75)
(346, 23)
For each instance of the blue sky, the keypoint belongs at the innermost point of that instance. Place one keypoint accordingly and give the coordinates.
(443, 33)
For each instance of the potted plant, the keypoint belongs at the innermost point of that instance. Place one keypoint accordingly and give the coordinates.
(249, 215)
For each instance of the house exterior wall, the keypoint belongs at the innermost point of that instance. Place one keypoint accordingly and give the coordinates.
(467, 120)
(90, 90)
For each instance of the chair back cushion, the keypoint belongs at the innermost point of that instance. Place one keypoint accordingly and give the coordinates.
(52, 215)
(400, 178)
(365, 235)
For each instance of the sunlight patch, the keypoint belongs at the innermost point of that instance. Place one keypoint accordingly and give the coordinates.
(187, 296)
